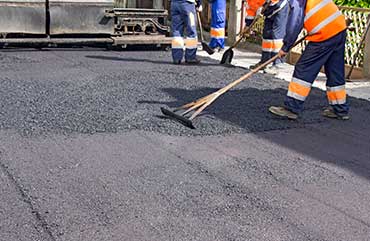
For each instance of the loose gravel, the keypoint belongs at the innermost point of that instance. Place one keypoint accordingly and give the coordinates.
(92, 90)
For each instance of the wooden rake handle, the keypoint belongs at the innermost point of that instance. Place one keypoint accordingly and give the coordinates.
(244, 32)
(202, 103)
(200, 26)
(249, 74)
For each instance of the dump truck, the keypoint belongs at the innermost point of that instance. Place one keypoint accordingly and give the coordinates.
(84, 22)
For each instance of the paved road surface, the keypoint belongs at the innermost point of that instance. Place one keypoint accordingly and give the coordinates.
(84, 156)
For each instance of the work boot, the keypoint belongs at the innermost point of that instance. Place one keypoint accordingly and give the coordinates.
(282, 111)
(273, 70)
(330, 113)
(192, 61)
(176, 62)
(255, 66)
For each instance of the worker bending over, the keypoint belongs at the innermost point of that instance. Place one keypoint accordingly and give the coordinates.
(326, 27)
(276, 17)
(184, 19)
(218, 21)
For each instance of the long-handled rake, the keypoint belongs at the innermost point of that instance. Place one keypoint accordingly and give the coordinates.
(205, 46)
(197, 106)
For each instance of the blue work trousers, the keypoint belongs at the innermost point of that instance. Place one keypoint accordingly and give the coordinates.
(330, 54)
(184, 21)
(273, 34)
(218, 23)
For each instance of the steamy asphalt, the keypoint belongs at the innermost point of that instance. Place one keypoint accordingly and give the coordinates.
(86, 155)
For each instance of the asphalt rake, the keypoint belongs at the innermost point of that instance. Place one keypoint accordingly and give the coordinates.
(186, 113)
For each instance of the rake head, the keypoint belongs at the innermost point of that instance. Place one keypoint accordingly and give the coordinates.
(180, 118)
(227, 57)
(181, 114)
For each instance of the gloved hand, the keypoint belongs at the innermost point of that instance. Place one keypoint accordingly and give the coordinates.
(199, 8)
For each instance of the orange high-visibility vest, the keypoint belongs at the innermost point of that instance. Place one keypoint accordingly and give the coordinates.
(323, 20)
(253, 6)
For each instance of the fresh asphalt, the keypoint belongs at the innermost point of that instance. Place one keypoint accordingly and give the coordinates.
(86, 155)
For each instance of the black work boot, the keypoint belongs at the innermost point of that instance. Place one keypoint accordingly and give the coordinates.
(192, 61)
(255, 66)
(330, 113)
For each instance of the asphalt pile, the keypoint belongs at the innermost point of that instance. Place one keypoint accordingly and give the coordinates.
(92, 90)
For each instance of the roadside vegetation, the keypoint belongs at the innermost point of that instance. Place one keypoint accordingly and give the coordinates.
(354, 3)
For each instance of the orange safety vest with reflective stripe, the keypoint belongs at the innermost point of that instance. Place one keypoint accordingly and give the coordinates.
(323, 20)
(254, 5)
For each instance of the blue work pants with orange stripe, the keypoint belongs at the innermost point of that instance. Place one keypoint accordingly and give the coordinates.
(183, 19)
(330, 54)
(274, 33)
(218, 23)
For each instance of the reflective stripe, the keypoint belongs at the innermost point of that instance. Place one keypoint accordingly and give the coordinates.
(316, 9)
(217, 32)
(296, 96)
(301, 82)
(192, 19)
(325, 22)
(272, 45)
(191, 43)
(337, 102)
(336, 88)
(177, 43)
(299, 89)
(336, 95)
(249, 17)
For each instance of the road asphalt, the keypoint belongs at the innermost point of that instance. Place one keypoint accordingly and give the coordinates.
(86, 155)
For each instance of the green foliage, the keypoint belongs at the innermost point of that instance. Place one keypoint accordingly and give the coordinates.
(354, 3)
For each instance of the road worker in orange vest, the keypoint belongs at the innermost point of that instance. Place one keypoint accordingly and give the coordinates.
(276, 17)
(326, 28)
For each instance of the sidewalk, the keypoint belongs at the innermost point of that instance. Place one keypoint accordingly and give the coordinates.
(245, 58)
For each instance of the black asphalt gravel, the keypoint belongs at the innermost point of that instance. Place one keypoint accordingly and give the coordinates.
(86, 155)
(90, 91)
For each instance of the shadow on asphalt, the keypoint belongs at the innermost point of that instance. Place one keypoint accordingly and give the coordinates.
(113, 58)
(342, 143)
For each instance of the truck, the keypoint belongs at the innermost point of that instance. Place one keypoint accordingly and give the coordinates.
(114, 23)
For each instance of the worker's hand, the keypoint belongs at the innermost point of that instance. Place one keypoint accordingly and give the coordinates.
(199, 8)
(282, 53)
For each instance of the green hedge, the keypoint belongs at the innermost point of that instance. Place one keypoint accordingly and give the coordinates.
(354, 3)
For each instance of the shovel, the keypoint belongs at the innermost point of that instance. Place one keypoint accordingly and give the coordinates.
(227, 57)
(197, 106)
(205, 46)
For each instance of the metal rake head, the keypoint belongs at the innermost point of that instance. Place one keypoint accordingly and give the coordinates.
(181, 114)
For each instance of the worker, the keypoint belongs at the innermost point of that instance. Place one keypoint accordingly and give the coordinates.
(183, 13)
(276, 17)
(218, 23)
(326, 28)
